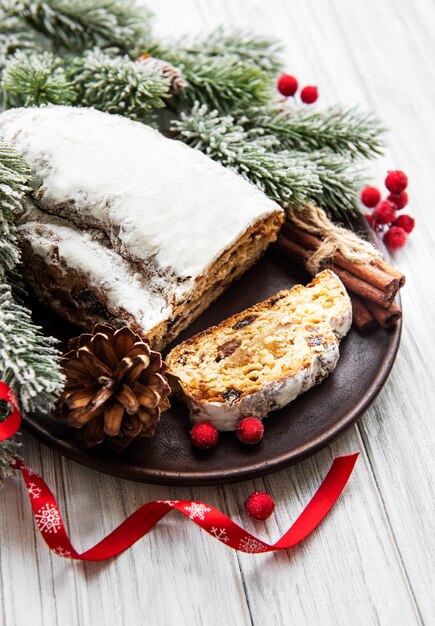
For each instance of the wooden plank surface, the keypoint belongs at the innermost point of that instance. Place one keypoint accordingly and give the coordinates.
(372, 560)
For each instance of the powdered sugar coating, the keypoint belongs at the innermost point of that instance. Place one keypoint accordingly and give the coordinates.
(174, 207)
(105, 270)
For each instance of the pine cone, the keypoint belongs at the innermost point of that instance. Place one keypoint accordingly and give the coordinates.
(115, 387)
(173, 74)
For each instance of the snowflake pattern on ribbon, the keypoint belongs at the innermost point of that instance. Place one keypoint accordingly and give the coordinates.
(27, 469)
(48, 519)
(34, 491)
(197, 510)
(60, 551)
(219, 533)
(170, 502)
(252, 545)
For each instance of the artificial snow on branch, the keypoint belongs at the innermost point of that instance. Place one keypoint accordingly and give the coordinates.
(13, 185)
(340, 181)
(118, 85)
(28, 359)
(287, 176)
(344, 131)
(221, 82)
(33, 79)
(283, 177)
(14, 35)
(81, 24)
(260, 51)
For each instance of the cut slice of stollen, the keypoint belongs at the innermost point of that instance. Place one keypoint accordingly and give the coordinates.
(261, 359)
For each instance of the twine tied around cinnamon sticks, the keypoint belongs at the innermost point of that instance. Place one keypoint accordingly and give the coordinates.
(371, 281)
(333, 238)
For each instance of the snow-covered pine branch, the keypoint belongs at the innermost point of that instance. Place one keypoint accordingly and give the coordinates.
(284, 177)
(82, 24)
(221, 82)
(28, 359)
(287, 176)
(118, 85)
(35, 78)
(344, 131)
(263, 52)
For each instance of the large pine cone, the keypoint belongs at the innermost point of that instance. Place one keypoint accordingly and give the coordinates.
(116, 386)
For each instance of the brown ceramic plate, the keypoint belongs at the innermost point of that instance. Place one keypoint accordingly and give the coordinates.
(299, 430)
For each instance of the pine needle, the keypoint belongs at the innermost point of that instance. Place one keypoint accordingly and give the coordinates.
(83, 24)
(287, 176)
(34, 79)
(260, 51)
(283, 177)
(28, 359)
(118, 85)
(221, 82)
(344, 131)
(14, 35)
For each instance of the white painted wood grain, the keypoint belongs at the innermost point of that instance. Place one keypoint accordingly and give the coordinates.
(372, 560)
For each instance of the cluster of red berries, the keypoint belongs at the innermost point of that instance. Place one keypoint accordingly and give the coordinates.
(384, 212)
(250, 430)
(288, 85)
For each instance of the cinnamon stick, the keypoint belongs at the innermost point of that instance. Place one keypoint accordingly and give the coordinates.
(385, 317)
(361, 288)
(372, 274)
(352, 283)
(292, 249)
(362, 316)
(390, 269)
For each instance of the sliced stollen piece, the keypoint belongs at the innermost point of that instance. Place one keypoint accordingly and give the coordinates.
(186, 223)
(261, 359)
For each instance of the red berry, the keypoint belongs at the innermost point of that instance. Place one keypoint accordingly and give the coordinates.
(309, 94)
(287, 85)
(406, 222)
(395, 238)
(400, 200)
(259, 505)
(385, 213)
(204, 435)
(250, 430)
(370, 197)
(396, 181)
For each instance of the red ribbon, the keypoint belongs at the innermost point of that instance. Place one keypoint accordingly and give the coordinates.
(213, 521)
(11, 424)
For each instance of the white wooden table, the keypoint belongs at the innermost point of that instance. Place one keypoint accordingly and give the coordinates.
(372, 560)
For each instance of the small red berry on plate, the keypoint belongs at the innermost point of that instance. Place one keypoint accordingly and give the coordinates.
(400, 200)
(309, 94)
(395, 238)
(259, 505)
(396, 181)
(250, 430)
(287, 85)
(406, 222)
(204, 435)
(385, 213)
(370, 197)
